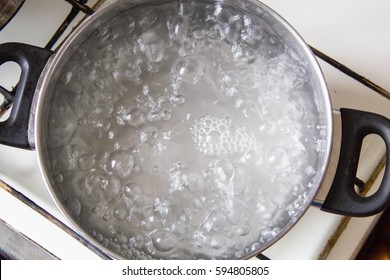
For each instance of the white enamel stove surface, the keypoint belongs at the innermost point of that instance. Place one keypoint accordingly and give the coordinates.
(354, 32)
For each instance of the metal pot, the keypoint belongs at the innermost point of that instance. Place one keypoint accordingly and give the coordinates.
(234, 42)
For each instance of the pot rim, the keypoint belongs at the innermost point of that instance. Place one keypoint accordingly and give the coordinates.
(112, 10)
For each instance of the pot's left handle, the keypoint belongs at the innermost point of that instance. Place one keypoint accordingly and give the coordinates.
(32, 60)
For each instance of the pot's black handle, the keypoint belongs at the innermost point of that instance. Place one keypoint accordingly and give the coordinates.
(32, 60)
(342, 197)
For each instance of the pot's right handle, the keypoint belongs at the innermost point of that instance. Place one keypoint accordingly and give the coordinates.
(32, 60)
(342, 197)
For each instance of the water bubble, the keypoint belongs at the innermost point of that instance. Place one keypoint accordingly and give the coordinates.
(99, 237)
(111, 188)
(155, 51)
(148, 134)
(190, 69)
(121, 163)
(154, 115)
(179, 99)
(198, 204)
(106, 217)
(137, 240)
(131, 116)
(310, 171)
(240, 231)
(217, 242)
(199, 32)
(136, 255)
(136, 150)
(155, 135)
(120, 238)
(95, 180)
(74, 206)
(58, 178)
(105, 242)
(85, 162)
(132, 190)
(177, 180)
(166, 115)
(75, 151)
(82, 122)
(156, 169)
(232, 78)
(214, 221)
(121, 213)
(136, 117)
(164, 240)
(277, 158)
(269, 234)
(255, 246)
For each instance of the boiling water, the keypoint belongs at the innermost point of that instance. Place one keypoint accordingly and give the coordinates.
(184, 131)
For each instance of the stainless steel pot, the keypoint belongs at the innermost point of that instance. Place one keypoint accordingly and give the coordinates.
(29, 124)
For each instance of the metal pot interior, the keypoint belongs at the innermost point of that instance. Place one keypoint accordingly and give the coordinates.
(182, 129)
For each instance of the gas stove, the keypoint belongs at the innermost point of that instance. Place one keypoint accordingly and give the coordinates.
(351, 42)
